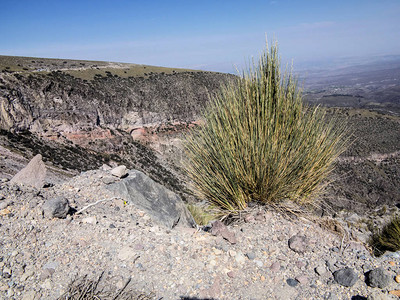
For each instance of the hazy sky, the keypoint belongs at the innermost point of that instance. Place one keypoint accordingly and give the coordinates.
(211, 35)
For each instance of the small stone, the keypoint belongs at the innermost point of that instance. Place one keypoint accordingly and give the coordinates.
(240, 258)
(378, 278)
(139, 266)
(231, 274)
(346, 277)
(47, 285)
(320, 270)
(31, 295)
(259, 263)
(126, 253)
(275, 267)
(262, 278)
(7, 272)
(119, 171)
(300, 264)
(232, 253)
(292, 282)
(105, 167)
(57, 207)
(4, 204)
(46, 273)
(89, 220)
(298, 243)
(392, 263)
(217, 252)
(395, 292)
(251, 255)
(397, 278)
(219, 229)
(26, 275)
(331, 296)
(303, 279)
(249, 218)
(109, 180)
(377, 295)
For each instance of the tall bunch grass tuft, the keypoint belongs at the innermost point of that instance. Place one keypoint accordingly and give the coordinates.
(260, 142)
(388, 238)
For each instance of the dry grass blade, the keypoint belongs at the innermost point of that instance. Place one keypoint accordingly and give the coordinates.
(86, 289)
(388, 238)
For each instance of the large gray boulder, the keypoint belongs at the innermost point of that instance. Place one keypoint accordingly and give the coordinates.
(33, 174)
(164, 206)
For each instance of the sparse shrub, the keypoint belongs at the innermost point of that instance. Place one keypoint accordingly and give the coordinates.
(388, 238)
(260, 142)
(201, 216)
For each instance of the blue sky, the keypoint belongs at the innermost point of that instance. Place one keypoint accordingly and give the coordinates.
(212, 35)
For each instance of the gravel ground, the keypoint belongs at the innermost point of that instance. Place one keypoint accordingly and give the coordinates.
(274, 256)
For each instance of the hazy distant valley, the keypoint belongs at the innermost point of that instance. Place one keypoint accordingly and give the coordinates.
(81, 114)
(370, 85)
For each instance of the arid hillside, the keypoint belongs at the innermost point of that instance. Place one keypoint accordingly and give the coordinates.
(82, 114)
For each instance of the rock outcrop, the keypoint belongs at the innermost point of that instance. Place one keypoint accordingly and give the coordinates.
(33, 174)
(163, 205)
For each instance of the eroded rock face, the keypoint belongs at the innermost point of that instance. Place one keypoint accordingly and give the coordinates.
(58, 102)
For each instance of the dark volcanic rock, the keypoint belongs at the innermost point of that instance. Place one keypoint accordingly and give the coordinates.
(163, 205)
(378, 278)
(346, 277)
(56, 208)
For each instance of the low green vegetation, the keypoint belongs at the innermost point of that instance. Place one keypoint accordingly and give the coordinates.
(388, 238)
(261, 143)
(201, 216)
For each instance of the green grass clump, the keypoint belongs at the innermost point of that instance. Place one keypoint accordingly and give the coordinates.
(201, 216)
(388, 239)
(260, 142)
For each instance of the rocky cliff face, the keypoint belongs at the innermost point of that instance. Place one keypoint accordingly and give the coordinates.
(79, 115)
(60, 103)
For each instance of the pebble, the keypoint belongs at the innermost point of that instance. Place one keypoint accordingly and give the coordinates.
(292, 282)
(346, 277)
(275, 267)
(26, 275)
(320, 270)
(397, 278)
(240, 258)
(231, 274)
(303, 279)
(298, 243)
(31, 295)
(89, 220)
(259, 263)
(260, 260)
(251, 255)
(378, 278)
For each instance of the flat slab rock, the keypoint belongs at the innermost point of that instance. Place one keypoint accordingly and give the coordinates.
(164, 206)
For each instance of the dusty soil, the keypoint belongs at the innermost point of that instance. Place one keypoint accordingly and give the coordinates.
(39, 257)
